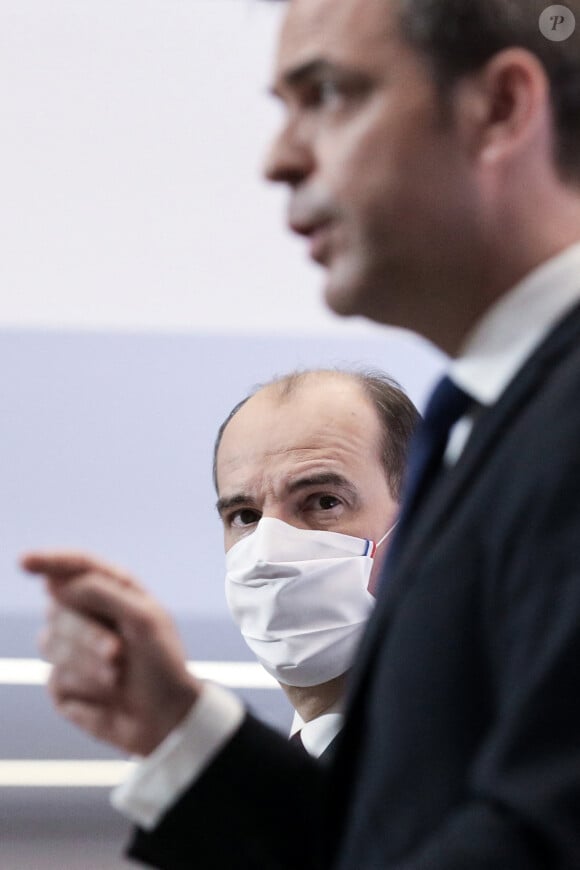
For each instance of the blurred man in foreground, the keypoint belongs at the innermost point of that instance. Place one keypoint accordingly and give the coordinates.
(432, 154)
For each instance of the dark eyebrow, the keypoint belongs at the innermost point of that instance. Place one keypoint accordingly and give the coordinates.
(224, 504)
(299, 75)
(324, 478)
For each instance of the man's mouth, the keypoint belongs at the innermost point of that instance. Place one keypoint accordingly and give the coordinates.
(319, 244)
(318, 235)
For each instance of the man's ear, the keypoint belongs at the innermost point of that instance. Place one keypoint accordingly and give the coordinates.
(504, 107)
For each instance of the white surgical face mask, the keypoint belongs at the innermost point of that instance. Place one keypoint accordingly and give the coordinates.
(300, 598)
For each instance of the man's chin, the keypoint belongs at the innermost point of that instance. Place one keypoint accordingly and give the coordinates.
(339, 295)
(343, 296)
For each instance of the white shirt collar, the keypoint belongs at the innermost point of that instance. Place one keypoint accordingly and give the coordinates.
(515, 325)
(318, 734)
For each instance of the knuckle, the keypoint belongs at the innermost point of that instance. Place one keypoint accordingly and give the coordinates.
(62, 651)
(59, 680)
(97, 640)
(43, 643)
(143, 619)
(55, 687)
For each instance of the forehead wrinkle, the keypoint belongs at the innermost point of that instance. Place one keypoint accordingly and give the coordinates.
(310, 467)
(296, 463)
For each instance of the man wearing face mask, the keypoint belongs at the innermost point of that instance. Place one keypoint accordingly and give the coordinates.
(299, 531)
(308, 472)
(300, 598)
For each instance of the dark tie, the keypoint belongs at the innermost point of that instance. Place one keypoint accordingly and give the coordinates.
(448, 403)
(296, 739)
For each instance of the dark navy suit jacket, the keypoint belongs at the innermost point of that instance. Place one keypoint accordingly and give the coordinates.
(461, 746)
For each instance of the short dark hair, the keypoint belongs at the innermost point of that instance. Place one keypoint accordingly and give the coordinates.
(398, 416)
(459, 36)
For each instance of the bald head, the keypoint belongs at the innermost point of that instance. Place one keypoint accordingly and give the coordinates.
(395, 413)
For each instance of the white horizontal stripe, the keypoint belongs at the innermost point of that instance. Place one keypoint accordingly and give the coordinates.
(23, 672)
(63, 774)
(102, 774)
(235, 675)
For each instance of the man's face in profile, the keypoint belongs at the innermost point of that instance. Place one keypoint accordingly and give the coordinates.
(378, 182)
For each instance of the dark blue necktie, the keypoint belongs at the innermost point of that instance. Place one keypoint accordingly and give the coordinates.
(296, 739)
(448, 403)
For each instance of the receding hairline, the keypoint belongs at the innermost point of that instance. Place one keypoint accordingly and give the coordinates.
(286, 386)
(393, 410)
(282, 390)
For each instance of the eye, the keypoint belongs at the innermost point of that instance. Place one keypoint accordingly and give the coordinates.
(244, 517)
(327, 502)
(325, 93)
(329, 92)
(334, 92)
(323, 502)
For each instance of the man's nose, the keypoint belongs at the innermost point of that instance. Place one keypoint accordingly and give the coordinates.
(290, 159)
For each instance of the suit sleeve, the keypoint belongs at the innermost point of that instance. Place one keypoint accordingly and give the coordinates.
(256, 806)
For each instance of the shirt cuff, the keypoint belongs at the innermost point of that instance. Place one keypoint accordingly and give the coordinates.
(158, 780)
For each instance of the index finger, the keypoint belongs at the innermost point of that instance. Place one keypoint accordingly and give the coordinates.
(65, 564)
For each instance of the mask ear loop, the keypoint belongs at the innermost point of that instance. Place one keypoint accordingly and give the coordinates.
(386, 535)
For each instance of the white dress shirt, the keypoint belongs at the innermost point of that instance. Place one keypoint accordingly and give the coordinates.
(317, 734)
(491, 356)
(158, 780)
(508, 333)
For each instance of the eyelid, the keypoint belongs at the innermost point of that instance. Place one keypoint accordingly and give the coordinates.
(345, 82)
(315, 90)
(318, 495)
(232, 514)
